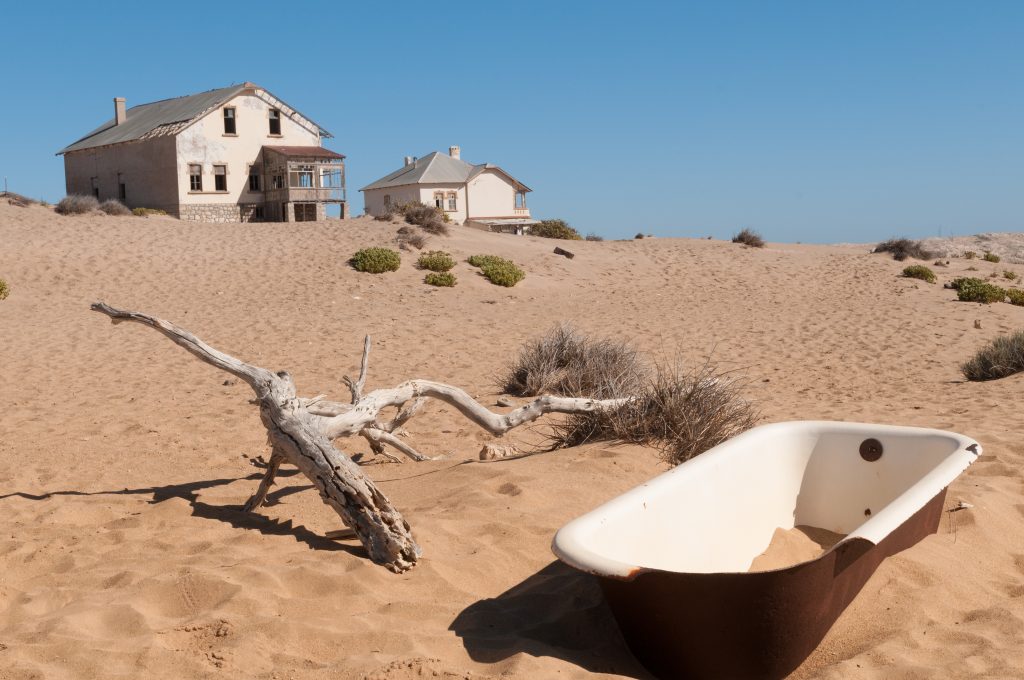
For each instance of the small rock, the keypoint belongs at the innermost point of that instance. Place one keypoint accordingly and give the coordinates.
(505, 401)
(493, 450)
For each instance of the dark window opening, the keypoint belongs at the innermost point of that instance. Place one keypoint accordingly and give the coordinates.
(95, 187)
(121, 192)
(229, 121)
(277, 182)
(305, 212)
(254, 179)
(195, 177)
(275, 122)
(439, 201)
(257, 213)
(220, 178)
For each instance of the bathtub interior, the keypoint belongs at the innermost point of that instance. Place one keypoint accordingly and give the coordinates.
(719, 511)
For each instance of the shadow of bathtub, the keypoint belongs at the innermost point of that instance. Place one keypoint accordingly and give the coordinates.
(558, 612)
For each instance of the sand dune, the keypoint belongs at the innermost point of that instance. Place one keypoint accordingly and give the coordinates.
(123, 460)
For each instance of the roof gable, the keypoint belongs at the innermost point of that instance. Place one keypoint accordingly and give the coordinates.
(167, 116)
(436, 168)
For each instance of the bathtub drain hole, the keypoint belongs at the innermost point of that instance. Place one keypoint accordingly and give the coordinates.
(871, 450)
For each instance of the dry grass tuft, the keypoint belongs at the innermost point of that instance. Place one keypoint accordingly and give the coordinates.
(748, 237)
(115, 208)
(1002, 357)
(902, 248)
(77, 204)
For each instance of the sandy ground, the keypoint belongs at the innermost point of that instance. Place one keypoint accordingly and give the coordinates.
(124, 461)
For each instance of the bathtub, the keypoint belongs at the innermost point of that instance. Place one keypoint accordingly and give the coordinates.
(672, 555)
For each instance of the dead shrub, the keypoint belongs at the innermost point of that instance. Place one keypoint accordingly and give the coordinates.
(681, 412)
(902, 248)
(1002, 357)
(77, 204)
(749, 237)
(115, 208)
(566, 362)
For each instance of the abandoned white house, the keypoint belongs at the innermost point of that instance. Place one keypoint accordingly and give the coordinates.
(483, 196)
(234, 154)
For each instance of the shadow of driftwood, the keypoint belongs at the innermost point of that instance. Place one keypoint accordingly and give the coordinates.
(557, 612)
(231, 514)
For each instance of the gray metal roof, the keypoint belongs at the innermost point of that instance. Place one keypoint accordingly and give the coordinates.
(172, 114)
(436, 168)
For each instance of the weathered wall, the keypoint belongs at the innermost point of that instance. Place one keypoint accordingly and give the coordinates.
(427, 192)
(374, 198)
(146, 167)
(206, 144)
(491, 194)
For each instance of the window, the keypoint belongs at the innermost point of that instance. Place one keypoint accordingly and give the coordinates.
(257, 213)
(301, 176)
(439, 200)
(220, 178)
(387, 200)
(195, 177)
(254, 178)
(277, 182)
(121, 193)
(275, 122)
(520, 200)
(229, 121)
(452, 201)
(95, 187)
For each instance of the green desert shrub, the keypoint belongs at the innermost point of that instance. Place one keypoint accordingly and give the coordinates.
(503, 273)
(1002, 357)
(115, 208)
(376, 260)
(555, 229)
(1015, 296)
(902, 248)
(970, 254)
(976, 290)
(1010, 275)
(481, 260)
(748, 237)
(436, 261)
(77, 204)
(442, 279)
(146, 212)
(990, 257)
(919, 271)
(4, 289)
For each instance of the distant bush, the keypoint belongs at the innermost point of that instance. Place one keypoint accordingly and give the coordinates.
(498, 270)
(411, 239)
(426, 217)
(1002, 357)
(146, 212)
(555, 229)
(77, 204)
(638, 236)
(902, 248)
(1015, 296)
(481, 260)
(750, 238)
(976, 290)
(990, 257)
(970, 254)
(959, 281)
(436, 261)
(593, 237)
(443, 279)
(919, 271)
(4, 289)
(115, 208)
(376, 260)
(1011, 275)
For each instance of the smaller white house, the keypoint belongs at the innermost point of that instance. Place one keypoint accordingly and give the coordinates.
(482, 196)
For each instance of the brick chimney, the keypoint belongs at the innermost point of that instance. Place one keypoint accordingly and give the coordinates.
(120, 115)
(453, 151)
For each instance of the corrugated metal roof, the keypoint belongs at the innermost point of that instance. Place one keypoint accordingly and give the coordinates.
(314, 151)
(144, 119)
(436, 168)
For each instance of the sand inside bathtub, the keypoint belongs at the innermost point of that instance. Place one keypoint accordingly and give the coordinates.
(793, 546)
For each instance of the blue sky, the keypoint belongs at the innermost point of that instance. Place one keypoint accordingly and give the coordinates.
(806, 121)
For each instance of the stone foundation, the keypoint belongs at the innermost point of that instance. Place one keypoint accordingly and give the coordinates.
(211, 213)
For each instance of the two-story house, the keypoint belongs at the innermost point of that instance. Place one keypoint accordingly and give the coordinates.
(234, 154)
(482, 196)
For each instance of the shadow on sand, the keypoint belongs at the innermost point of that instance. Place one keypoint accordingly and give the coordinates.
(231, 514)
(558, 612)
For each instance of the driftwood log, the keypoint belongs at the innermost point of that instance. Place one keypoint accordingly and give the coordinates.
(301, 431)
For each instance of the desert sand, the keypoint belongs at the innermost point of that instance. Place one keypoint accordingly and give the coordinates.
(124, 460)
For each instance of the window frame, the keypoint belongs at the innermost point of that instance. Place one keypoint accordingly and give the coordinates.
(195, 179)
(274, 117)
(520, 200)
(452, 201)
(233, 118)
(255, 176)
(299, 171)
(218, 183)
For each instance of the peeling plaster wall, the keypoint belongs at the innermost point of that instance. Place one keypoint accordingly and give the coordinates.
(147, 169)
(457, 216)
(374, 198)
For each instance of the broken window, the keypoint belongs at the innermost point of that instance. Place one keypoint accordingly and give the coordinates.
(121, 193)
(220, 178)
(254, 178)
(277, 182)
(275, 122)
(229, 121)
(439, 200)
(95, 187)
(452, 201)
(301, 176)
(195, 177)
